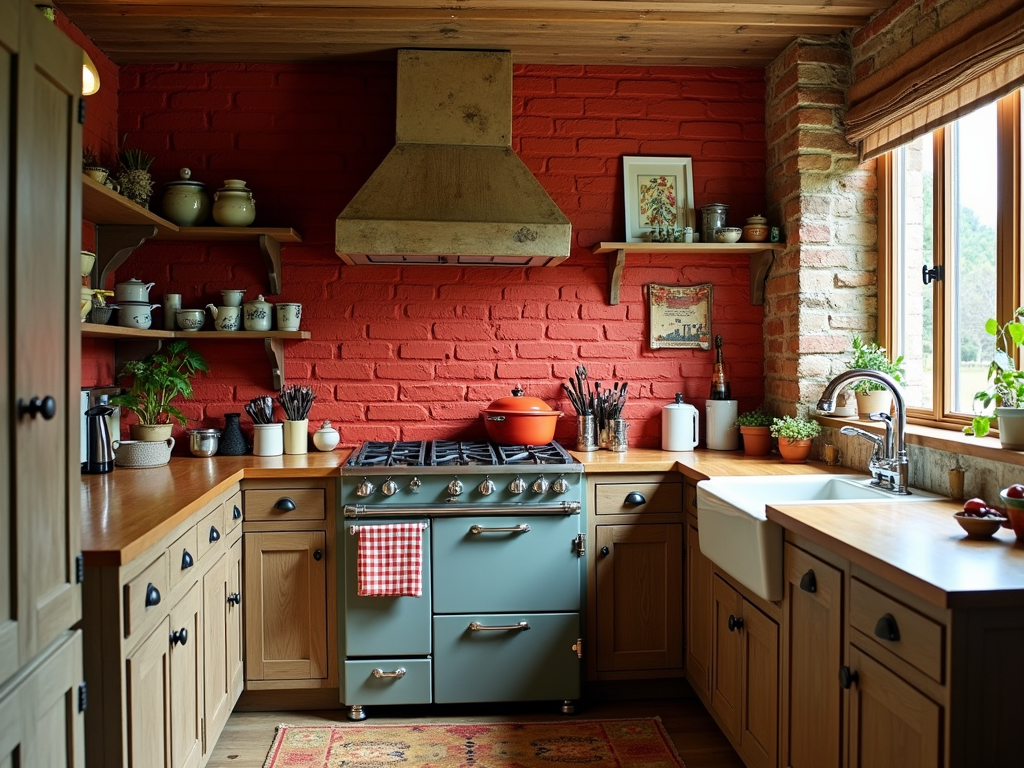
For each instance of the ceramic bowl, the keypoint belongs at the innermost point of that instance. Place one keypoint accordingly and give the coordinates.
(135, 314)
(978, 527)
(190, 319)
(1014, 513)
(728, 234)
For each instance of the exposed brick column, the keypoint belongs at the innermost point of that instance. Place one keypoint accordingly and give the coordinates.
(822, 289)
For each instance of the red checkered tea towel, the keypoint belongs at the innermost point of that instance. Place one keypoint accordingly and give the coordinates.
(389, 560)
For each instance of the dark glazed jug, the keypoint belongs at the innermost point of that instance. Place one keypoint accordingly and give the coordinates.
(232, 441)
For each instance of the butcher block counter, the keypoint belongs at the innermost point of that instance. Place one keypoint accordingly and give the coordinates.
(126, 511)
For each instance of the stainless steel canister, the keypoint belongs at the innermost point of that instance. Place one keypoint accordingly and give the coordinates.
(586, 433)
(712, 218)
(617, 435)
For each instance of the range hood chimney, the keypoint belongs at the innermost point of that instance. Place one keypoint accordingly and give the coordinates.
(452, 191)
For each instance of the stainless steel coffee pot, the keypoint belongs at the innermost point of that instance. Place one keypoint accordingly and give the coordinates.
(99, 454)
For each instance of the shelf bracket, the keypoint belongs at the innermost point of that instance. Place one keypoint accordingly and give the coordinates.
(275, 352)
(133, 349)
(759, 265)
(271, 250)
(114, 244)
(616, 262)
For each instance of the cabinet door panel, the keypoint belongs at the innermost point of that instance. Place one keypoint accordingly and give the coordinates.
(216, 684)
(698, 615)
(639, 597)
(148, 701)
(760, 737)
(10, 27)
(727, 660)
(812, 647)
(186, 672)
(892, 724)
(236, 670)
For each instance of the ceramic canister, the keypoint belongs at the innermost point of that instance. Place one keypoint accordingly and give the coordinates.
(234, 205)
(679, 426)
(185, 201)
(722, 432)
(258, 315)
(288, 316)
(268, 439)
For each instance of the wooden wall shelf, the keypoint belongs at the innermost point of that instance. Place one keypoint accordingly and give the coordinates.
(761, 257)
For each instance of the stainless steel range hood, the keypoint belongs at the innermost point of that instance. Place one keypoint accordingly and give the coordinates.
(452, 191)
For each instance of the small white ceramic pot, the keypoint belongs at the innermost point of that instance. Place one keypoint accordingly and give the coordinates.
(234, 205)
(133, 314)
(258, 314)
(185, 202)
(132, 290)
(232, 297)
(268, 439)
(288, 316)
(326, 438)
(190, 319)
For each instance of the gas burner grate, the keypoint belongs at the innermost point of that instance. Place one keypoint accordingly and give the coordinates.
(552, 453)
(445, 453)
(383, 454)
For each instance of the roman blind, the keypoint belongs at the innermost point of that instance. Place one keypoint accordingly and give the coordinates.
(972, 62)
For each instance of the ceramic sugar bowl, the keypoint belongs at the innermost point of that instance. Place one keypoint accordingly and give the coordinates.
(258, 315)
(326, 438)
(233, 204)
(185, 201)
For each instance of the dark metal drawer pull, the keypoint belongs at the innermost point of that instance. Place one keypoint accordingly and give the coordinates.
(214, 534)
(234, 598)
(236, 513)
(378, 672)
(635, 497)
(522, 626)
(187, 561)
(887, 629)
(522, 528)
(808, 583)
(152, 596)
(285, 505)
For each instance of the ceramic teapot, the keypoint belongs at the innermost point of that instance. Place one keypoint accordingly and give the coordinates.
(132, 290)
(258, 314)
(226, 318)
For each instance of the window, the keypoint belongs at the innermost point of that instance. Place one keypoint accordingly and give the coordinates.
(950, 255)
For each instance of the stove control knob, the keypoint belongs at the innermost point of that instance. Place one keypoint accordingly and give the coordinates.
(561, 485)
(517, 486)
(486, 488)
(366, 488)
(415, 484)
(390, 487)
(455, 487)
(540, 485)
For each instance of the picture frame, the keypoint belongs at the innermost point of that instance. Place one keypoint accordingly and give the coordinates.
(680, 316)
(658, 191)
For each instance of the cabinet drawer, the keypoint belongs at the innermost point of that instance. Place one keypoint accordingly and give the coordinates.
(285, 504)
(183, 555)
(921, 640)
(232, 513)
(362, 686)
(615, 499)
(152, 582)
(210, 531)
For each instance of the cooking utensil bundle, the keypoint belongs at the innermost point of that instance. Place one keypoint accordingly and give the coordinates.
(261, 409)
(296, 401)
(604, 404)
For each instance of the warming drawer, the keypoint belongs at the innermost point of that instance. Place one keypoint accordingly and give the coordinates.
(489, 663)
(387, 681)
(498, 564)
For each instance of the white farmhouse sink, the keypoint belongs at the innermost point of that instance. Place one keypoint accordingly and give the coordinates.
(736, 535)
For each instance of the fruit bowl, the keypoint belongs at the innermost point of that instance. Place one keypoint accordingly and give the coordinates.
(1014, 506)
(978, 527)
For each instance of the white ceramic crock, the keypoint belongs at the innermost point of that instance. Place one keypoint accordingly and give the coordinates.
(135, 314)
(132, 290)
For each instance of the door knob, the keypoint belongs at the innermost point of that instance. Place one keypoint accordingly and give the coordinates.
(318, 555)
(234, 598)
(179, 636)
(604, 551)
(735, 623)
(847, 677)
(45, 407)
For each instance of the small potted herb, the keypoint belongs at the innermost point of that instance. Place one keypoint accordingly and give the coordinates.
(872, 397)
(1003, 398)
(754, 426)
(794, 435)
(92, 167)
(133, 176)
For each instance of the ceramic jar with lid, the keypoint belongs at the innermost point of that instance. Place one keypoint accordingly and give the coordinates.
(233, 204)
(326, 438)
(132, 290)
(258, 315)
(185, 201)
(756, 229)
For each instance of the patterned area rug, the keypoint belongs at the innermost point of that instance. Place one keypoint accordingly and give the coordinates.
(607, 743)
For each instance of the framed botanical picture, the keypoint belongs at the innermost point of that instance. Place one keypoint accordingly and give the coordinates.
(659, 193)
(680, 316)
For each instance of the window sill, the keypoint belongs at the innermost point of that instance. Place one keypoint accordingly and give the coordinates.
(939, 439)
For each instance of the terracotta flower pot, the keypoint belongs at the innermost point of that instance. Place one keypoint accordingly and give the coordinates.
(794, 451)
(757, 441)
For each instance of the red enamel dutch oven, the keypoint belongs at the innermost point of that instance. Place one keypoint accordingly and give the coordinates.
(519, 420)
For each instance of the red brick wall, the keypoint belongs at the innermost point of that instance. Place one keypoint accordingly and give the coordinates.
(416, 352)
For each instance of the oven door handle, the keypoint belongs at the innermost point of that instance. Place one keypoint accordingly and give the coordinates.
(522, 626)
(461, 510)
(522, 528)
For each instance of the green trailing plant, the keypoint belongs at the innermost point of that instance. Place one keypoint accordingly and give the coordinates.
(153, 383)
(874, 358)
(794, 428)
(1005, 383)
(755, 418)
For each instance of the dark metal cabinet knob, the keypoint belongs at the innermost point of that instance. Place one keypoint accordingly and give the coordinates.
(887, 629)
(735, 623)
(187, 561)
(45, 407)
(214, 534)
(234, 599)
(635, 497)
(808, 582)
(287, 505)
(605, 551)
(179, 636)
(152, 596)
(318, 555)
(236, 513)
(847, 677)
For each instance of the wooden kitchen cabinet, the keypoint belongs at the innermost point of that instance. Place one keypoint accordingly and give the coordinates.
(186, 674)
(635, 576)
(699, 571)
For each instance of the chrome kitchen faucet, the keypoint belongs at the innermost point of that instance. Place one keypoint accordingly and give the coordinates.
(889, 465)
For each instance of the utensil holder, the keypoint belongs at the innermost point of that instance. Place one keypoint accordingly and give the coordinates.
(586, 433)
(617, 429)
(268, 439)
(296, 436)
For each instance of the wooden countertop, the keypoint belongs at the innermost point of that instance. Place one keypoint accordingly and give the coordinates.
(696, 465)
(126, 511)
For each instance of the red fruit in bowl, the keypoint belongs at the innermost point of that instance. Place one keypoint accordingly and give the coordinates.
(975, 507)
(1015, 491)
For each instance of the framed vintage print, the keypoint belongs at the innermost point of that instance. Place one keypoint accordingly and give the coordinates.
(659, 193)
(680, 316)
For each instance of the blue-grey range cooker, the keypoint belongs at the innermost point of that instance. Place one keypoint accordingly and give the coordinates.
(503, 548)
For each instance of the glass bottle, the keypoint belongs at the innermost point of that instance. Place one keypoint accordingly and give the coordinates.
(720, 389)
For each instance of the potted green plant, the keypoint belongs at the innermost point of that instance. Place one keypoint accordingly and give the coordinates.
(133, 175)
(794, 435)
(754, 427)
(153, 383)
(872, 397)
(1003, 398)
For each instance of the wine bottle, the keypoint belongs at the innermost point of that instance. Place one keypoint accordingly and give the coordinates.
(719, 381)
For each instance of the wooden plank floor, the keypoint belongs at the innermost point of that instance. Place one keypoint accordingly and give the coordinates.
(248, 735)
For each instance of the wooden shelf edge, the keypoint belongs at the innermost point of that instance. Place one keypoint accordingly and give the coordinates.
(232, 234)
(92, 330)
(102, 205)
